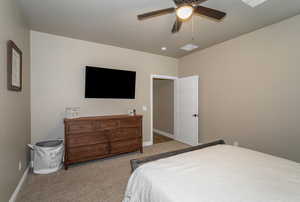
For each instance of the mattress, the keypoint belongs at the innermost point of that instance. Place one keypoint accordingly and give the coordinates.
(219, 173)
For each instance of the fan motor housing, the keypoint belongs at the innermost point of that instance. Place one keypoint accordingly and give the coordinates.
(179, 2)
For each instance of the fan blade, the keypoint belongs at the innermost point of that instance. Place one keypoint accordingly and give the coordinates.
(156, 13)
(212, 13)
(176, 26)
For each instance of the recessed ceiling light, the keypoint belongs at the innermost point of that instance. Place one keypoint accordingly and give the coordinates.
(163, 48)
(189, 47)
(254, 3)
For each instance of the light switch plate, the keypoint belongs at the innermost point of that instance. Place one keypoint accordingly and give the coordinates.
(144, 108)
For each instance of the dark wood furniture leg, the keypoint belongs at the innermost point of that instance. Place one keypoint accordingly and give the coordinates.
(142, 149)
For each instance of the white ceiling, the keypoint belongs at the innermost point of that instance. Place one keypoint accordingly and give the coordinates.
(114, 22)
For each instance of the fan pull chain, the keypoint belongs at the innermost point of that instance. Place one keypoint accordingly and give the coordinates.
(193, 37)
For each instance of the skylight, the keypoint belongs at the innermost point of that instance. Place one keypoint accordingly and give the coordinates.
(254, 3)
(189, 47)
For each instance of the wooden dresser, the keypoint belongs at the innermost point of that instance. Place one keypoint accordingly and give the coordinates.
(90, 138)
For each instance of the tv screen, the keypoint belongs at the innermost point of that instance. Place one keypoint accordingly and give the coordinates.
(109, 83)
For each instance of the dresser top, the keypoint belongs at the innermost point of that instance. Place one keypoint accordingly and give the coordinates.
(94, 118)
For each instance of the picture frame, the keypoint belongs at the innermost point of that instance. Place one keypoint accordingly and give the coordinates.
(14, 67)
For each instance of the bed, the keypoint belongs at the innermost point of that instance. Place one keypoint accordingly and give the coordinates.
(213, 172)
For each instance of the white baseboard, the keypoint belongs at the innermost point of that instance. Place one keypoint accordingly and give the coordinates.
(147, 143)
(13, 197)
(164, 133)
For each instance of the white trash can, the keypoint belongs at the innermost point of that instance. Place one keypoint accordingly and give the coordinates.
(47, 156)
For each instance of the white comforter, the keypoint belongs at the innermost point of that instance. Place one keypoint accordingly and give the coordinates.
(216, 174)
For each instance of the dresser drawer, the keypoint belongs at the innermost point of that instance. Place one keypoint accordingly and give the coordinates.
(125, 133)
(78, 153)
(130, 122)
(80, 127)
(107, 124)
(87, 139)
(125, 146)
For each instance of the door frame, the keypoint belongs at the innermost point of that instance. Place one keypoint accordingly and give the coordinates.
(152, 77)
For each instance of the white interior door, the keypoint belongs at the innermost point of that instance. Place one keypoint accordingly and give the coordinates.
(186, 110)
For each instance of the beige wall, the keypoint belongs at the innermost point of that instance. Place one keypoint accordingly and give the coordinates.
(58, 65)
(249, 89)
(14, 106)
(163, 105)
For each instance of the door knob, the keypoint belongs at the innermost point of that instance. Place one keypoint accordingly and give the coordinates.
(195, 115)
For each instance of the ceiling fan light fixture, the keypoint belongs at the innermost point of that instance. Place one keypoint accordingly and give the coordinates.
(184, 12)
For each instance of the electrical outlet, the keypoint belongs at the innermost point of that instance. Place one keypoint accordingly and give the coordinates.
(236, 144)
(20, 165)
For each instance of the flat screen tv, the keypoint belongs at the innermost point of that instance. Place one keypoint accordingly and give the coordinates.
(109, 83)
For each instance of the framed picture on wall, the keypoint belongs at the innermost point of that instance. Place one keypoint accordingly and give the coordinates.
(14, 67)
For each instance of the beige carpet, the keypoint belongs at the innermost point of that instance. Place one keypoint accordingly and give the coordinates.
(94, 181)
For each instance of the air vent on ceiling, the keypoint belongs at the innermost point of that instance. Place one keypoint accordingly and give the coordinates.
(189, 47)
(254, 3)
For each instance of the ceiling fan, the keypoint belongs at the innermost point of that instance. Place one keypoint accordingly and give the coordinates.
(184, 11)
